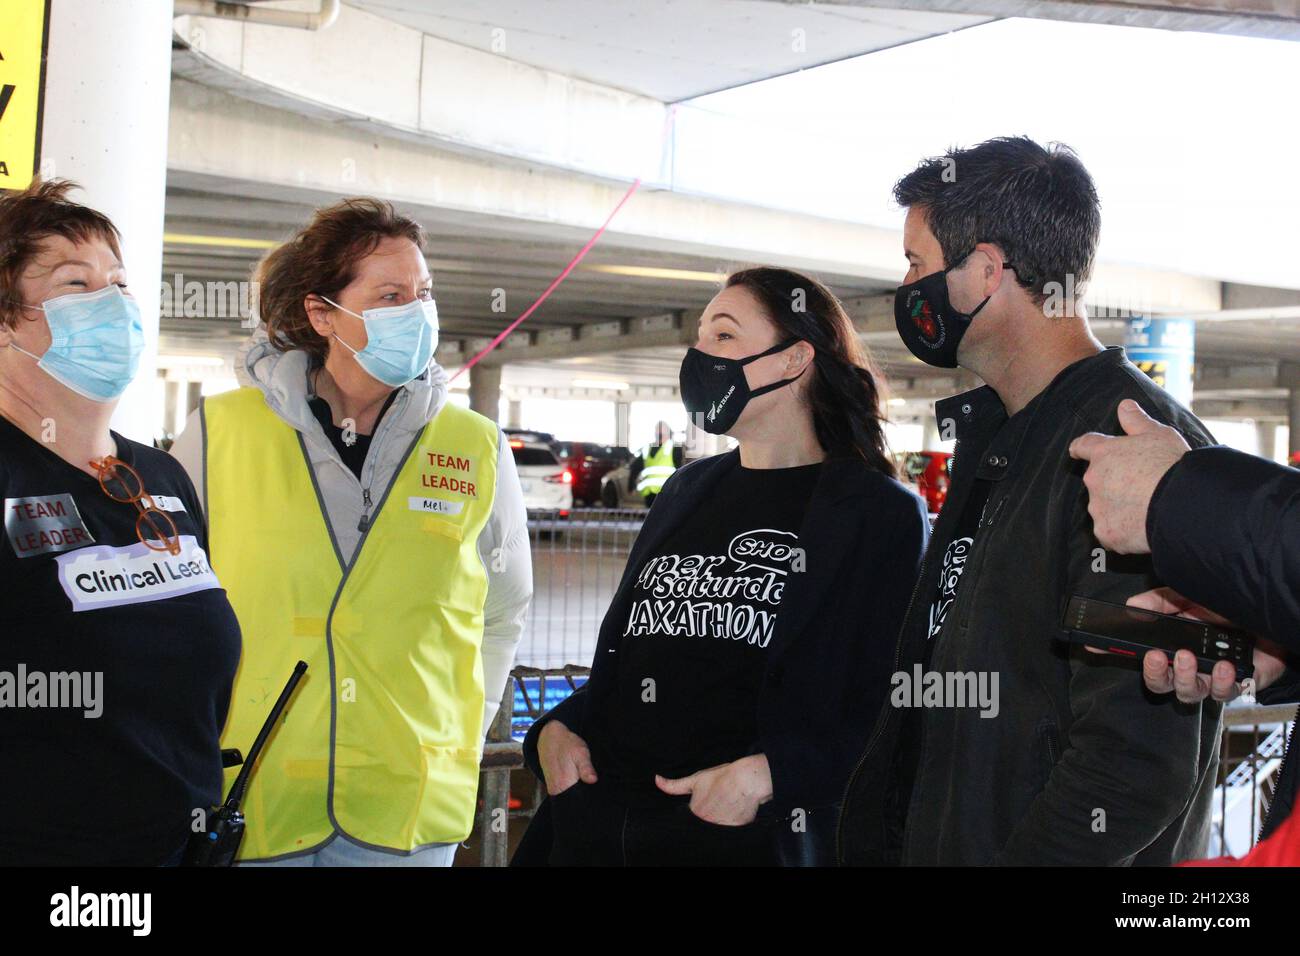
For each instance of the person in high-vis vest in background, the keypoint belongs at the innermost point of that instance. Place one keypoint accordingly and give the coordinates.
(656, 464)
(361, 523)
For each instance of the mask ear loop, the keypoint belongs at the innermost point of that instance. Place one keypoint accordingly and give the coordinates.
(1005, 265)
(14, 345)
(773, 386)
(779, 347)
(349, 312)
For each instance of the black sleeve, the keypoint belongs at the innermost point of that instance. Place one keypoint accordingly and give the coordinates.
(795, 753)
(1130, 762)
(1224, 529)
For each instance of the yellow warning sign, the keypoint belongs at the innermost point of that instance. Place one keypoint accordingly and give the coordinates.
(24, 32)
(1157, 371)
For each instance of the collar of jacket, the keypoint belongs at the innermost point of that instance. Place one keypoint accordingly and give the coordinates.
(827, 534)
(285, 380)
(980, 421)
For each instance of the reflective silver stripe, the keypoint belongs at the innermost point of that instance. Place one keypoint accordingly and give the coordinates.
(653, 478)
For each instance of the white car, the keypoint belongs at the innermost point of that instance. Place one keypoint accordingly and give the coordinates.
(547, 484)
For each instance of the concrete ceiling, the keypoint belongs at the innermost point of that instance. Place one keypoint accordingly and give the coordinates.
(670, 49)
(471, 257)
(642, 48)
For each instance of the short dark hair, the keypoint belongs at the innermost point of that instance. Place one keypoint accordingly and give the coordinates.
(322, 258)
(34, 214)
(1037, 203)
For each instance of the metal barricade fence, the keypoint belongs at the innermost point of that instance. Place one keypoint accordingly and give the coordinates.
(578, 560)
(1251, 750)
(529, 693)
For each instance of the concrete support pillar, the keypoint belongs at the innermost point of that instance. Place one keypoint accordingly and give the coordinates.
(107, 92)
(1293, 421)
(1266, 439)
(930, 440)
(485, 390)
(514, 413)
(193, 392)
(171, 401)
(622, 423)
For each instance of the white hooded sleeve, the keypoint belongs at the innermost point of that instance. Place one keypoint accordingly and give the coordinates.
(504, 548)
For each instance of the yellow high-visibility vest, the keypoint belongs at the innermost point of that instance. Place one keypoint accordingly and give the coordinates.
(383, 738)
(657, 469)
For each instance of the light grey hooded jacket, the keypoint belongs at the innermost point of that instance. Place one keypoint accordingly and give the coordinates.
(283, 379)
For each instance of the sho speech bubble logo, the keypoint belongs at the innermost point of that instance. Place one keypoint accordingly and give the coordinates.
(764, 548)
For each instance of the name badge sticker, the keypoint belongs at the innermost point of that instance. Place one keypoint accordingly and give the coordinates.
(104, 576)
(435, 506)
(45, 524)
(168, 503)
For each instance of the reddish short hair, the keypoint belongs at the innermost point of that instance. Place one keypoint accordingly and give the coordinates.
(34, 214)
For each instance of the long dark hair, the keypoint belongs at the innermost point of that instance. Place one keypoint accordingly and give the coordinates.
(846, 391)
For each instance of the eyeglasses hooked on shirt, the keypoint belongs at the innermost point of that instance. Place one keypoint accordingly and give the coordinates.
(154, 527)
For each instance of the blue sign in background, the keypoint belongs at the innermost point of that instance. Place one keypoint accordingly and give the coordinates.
(1164, 349)
(557, 689)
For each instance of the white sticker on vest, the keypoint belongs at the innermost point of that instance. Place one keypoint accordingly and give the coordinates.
(104, 576)
(436, 506)
(168, 503)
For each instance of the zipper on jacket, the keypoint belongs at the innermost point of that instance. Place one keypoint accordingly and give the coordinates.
(368, 469)
(365, 510)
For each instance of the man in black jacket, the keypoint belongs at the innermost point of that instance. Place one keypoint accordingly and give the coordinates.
(1223, 529)
(1075, 763)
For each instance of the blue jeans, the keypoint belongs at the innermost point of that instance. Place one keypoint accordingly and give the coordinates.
(343, 852)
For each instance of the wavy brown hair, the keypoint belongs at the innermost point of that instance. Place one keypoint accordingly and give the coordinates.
(322, 259)
(847, 389)
(34, 214)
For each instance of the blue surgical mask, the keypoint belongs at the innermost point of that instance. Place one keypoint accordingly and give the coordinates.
(96, 339)
(400, 340)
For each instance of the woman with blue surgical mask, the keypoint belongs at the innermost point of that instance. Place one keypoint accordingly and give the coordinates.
(118, 646)
(363, 523)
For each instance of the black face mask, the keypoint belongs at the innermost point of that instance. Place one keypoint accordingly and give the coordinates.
(927, 322)
(714, 389)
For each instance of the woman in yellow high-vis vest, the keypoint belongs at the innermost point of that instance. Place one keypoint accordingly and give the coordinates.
(364, 524)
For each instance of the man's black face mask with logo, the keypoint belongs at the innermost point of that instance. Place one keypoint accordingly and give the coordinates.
(714, 389)
(927, 322)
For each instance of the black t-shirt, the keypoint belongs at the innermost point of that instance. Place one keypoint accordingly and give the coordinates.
(113, 774)
(698, 632)
(353, 455)
(955, 556)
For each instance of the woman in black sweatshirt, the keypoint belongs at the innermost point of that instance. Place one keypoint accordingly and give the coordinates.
(748, 649)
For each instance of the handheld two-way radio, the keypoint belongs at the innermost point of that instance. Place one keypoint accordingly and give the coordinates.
(219, 841)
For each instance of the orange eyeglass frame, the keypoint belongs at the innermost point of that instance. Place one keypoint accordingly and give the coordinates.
(164, 533)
